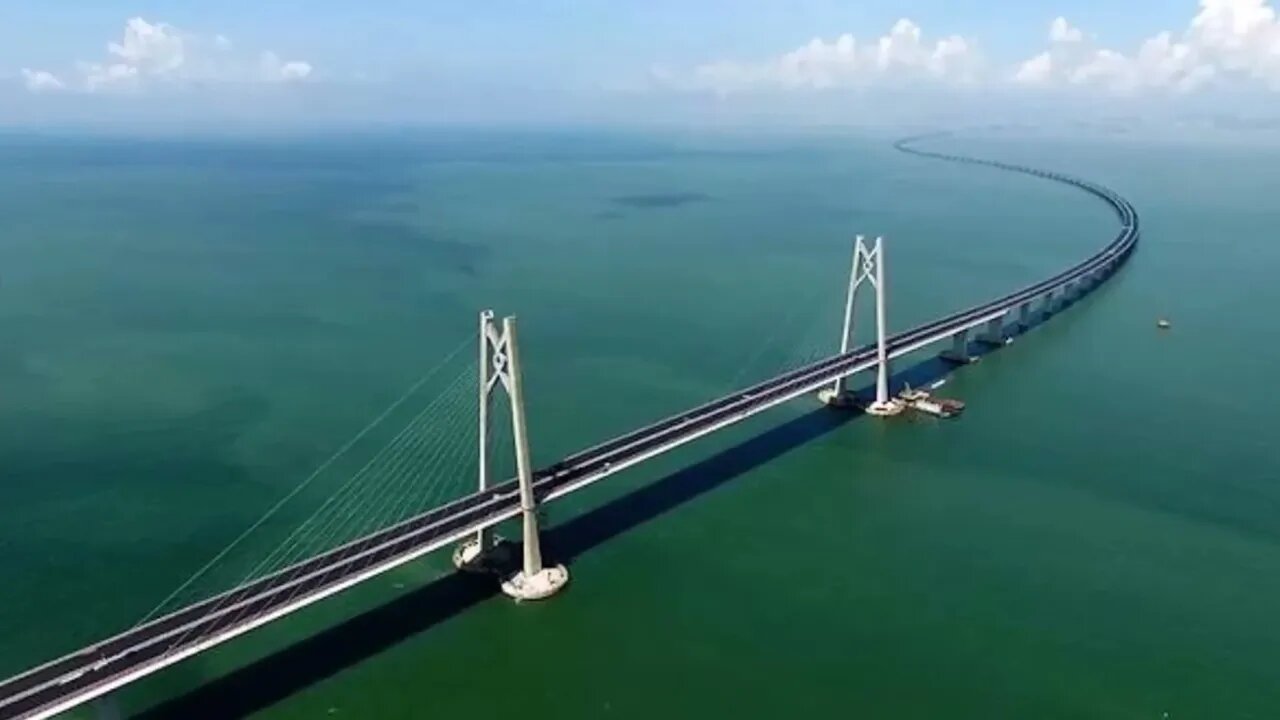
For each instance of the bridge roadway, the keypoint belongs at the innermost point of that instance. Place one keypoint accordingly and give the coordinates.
(142, 650)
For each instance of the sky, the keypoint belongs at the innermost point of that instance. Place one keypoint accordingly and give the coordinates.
(155, 63)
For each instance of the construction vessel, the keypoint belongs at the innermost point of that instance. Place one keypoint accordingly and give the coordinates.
(922, 401)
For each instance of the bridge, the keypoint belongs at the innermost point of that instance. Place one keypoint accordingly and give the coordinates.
(96, 670)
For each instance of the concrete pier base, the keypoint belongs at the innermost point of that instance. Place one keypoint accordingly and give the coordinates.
(543, 584)
(837, 399)
(848, 401)
(483, 559)
(885, 409)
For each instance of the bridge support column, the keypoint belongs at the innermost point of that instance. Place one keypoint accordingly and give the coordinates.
(500, 366)
(838, 395)
(868, 267)
(882, 404)
(959, 350)
(1049, 305)
(994, 334)
(1024, 315)
(1068, 295)
(534, 581)
(471, 554)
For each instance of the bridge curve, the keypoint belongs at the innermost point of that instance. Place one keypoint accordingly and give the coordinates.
(1107, 258)
(99, 668)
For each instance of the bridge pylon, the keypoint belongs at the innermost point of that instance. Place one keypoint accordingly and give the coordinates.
(500, 368)
(868, 268)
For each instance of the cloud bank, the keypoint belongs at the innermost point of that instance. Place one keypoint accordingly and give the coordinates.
(1231, 43)
(154, 55)
(902, 54)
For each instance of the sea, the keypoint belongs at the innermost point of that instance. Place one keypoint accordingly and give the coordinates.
(205, 344)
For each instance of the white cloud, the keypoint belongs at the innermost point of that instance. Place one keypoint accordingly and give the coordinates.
(1241, 35)
(149, 55)
(1226, 41)
(274, 70)
(1161, 63)
(899, 56)
(295, 70)
(1060, 31)
(98, 77)
(38, 81)
(1036, 71)
(154, 49)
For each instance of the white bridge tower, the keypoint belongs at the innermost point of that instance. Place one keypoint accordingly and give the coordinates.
(500, 367)
(868, 267)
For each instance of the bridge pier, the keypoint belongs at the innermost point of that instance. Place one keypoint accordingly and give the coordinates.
(994, 334)
(1068, 295)
(959, 350)
(1024, 315)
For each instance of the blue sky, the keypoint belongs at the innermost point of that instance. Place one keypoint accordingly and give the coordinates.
(697, 27)
(510, 36)
(559, 58)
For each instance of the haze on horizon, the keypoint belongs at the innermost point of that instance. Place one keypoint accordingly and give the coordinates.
(178, 65)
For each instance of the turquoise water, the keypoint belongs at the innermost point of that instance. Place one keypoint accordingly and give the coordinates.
(191, 328)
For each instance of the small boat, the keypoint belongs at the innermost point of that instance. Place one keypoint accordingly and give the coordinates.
(1164, 324)
(922, 401)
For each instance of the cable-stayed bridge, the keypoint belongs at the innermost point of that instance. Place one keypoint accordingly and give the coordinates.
(304, 569)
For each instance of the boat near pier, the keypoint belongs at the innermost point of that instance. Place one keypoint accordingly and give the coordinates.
(924, 402)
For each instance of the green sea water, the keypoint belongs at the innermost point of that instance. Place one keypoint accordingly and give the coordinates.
(187, 329)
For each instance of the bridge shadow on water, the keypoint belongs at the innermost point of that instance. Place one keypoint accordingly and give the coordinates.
(274, 678)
